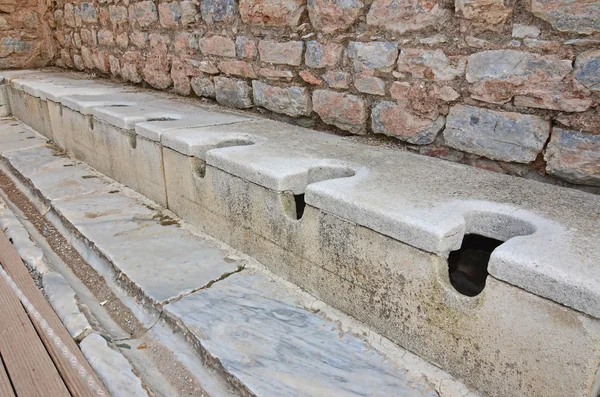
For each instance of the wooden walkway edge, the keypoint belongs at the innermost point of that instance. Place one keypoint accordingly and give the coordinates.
(25, 346)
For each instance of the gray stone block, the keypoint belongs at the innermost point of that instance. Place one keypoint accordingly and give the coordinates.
(506, 136)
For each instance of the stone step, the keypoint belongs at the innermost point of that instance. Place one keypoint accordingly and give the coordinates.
(372, 231)
(247, 322)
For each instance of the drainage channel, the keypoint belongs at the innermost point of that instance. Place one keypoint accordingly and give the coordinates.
(162, 359)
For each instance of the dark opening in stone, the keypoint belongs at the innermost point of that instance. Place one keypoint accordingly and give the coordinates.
(467, 267)
(300, 205)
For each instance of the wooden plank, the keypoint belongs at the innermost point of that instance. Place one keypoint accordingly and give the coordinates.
(6, 389)
(12, 263)
(27, 362)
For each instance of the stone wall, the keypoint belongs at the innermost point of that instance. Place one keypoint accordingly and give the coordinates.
(25, 41)
(506, 85)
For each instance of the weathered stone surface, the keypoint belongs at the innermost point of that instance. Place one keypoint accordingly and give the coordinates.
(181, 71)
(203, 87)
(115, 65)
(446, 93)
(101, 60)
(310, 78)
(504, 136)
(106, 37)
(234, 93)
(112, 368)
(501, 64)
(189, 11)
(337, 79)
(520, 31)
(430, 64)
(345, 111)
(569, 16)
(144, 13)
(406, 15)
(238, 68)
(484, 13)
(87, 11)
(329, 16)
(157, 68)
(534, 80)
(545, 45)
(274, 74)
(370, 85)
(64, 302)
(375, 55)
(587, 69)
(117, 14)
(395, 120)
(207, 67)
(568, 96)
(271, 12)
(122, 40)
(574, 156)
(322, 55)
(293, 101)
(288, 53)
(130, 66)
(213, 11)
(217, 45)
(78, 62)
(169, 14)
(245, 47)
(139, 39)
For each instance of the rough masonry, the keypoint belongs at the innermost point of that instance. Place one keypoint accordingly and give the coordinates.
(509, 87)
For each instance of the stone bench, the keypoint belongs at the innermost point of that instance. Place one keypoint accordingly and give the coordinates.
(378, 233)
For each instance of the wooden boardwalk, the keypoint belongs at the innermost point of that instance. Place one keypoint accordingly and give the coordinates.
(38, 357)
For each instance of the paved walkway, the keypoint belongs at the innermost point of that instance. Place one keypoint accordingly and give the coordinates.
(37, 355)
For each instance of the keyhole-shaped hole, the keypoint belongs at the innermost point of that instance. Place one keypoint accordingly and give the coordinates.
(468, 266)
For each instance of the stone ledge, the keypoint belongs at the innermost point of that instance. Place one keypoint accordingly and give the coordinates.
(427, 203)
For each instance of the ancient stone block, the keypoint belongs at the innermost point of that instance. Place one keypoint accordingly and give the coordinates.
(504, 136)
(217, 45)
(117, 14)
(396, 120)
(370, 85)
(78, 62)
(189, 10)
(238, 68)
(245, 47)
(587, 69)
(169, 14)
(234, 93)
(430, 64)
(577, 16)
(271, 12)
(143, 12)
(293, 101)
(501, 64)
(88, 12)
(288, 53)
(122, 40)
(139, 39)
(214, 11)
(310, 78)
(86, 55)
(378, 55)
(207, 67)
(322, 55)
(345, 111)
(106, 37)
(274, 74)
(574, 156)
(520, 31)
(115, 65)
(337, 79)
(130, 66)
(329, 16)
(485, 13)
(180, 74)
(406, 15)
(203, 87)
